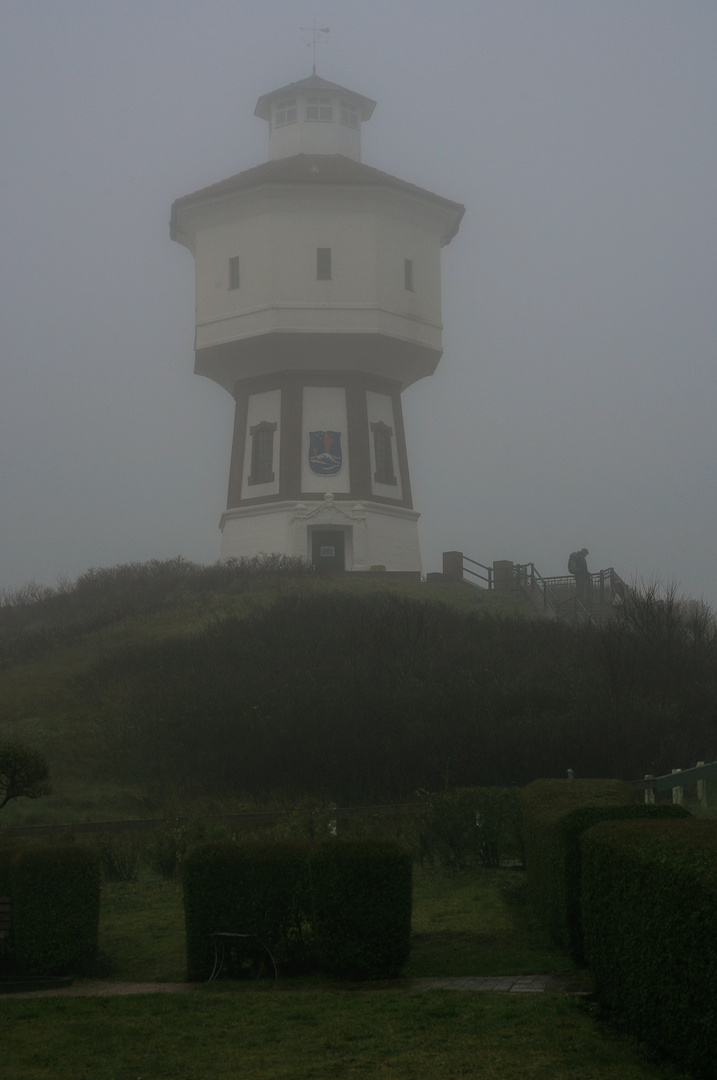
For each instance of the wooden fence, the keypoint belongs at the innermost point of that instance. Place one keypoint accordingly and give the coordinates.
(652, 787)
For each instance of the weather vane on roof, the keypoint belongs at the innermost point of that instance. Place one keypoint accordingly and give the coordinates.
(316, 35)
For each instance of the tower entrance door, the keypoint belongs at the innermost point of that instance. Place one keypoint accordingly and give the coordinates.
(327, 550)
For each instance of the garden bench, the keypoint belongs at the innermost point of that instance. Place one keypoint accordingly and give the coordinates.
(225, 941)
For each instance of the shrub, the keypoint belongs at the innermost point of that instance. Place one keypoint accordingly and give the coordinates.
(469, 826)
(168, 844)
(56, 909)
(543, 804)
(244, 888)
(568, 884)
(361, 908)
(7, 949)
(649, 907)
(119, 854)
(166, 848)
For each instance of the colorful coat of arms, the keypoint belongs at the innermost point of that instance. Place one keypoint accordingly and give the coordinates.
(325, 456)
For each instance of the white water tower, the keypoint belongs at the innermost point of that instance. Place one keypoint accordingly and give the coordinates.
(318, 300)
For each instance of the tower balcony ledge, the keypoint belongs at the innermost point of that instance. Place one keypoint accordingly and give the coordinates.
(380, 355)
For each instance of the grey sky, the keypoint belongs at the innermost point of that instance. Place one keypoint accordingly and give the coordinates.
(575, 403)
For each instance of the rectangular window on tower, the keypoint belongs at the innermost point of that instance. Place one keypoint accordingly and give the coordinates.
(323, 264)
(286, 112)
(262, 453)
(349, 113)
(234, 272)
(383, 453)
(318, 107)
(408, 274)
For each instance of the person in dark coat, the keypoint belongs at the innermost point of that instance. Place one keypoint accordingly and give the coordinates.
(581, 574)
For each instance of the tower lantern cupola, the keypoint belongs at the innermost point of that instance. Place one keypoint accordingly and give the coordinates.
(314, 116)
(318, 301)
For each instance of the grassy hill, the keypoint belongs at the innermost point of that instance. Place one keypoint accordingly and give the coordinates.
(166, 685)
(54, 642)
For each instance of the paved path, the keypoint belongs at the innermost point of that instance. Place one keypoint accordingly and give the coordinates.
(513, 984)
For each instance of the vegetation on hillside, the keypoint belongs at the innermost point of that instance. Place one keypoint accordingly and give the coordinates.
(35, 617)
(254, 680)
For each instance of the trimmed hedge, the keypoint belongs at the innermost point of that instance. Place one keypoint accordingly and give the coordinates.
(7, 949)
(543, 804)
(244, 888)
(55, 893)
(361, 908)
(568, 885)
(345, 905)
(649, 909)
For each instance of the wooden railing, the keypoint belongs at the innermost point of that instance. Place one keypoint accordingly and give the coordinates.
(556, 596)
(676, 782)
(456, 565)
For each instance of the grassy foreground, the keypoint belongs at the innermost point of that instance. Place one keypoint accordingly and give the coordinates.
(313, 1034)
(463, 924)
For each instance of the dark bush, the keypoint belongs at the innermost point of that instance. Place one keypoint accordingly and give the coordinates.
(211, 874)
(568, 831)
(257, 888)
(361, 908)
(120, 855)
(56, 909)
(544, 804)
(7, 947)
(378, 696)
(471, 826)
(166, 847)
(649, 909)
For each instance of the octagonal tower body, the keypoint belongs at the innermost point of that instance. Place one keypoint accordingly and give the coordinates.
(318, 300)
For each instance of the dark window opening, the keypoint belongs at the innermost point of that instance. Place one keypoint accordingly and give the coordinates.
(262, 453)
(323, 264)
(383, 452)
(408, 274)
(234, 272)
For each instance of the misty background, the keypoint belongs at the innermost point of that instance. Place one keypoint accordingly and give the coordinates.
(575, 403)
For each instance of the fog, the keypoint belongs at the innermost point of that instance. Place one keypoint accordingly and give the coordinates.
(575, 402)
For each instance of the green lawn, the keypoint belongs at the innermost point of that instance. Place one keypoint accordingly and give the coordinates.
(473, 923)
(314, 1034)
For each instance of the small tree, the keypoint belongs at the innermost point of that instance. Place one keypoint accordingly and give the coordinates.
(22, 772)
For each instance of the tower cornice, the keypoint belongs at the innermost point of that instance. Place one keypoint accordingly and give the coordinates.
(313, 170)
